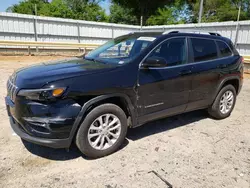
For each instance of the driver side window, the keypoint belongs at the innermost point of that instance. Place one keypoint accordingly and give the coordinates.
(173, 51)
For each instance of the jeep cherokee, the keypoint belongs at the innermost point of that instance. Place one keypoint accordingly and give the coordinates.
(130, 80)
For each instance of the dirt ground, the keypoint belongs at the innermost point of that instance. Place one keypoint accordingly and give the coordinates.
(189, 150)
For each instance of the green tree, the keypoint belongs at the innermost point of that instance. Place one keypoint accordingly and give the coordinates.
(27, 7)
(121, 15)
(87, 10)
(177, 13)
(57, 8)
(222, 10)
(144, 8)
(75, 9)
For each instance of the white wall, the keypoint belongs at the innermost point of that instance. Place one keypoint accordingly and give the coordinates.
(22, 27)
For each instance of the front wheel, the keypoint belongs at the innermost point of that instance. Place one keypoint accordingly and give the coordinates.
(103, 131)
(224, 103)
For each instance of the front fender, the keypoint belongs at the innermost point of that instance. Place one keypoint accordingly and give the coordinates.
(99, 99)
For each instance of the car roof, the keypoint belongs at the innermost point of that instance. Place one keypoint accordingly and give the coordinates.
(163, 35)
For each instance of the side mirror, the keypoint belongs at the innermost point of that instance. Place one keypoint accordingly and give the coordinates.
(154, 62)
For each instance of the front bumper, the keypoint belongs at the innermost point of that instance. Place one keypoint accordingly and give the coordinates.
(53, 143)
(47, 124)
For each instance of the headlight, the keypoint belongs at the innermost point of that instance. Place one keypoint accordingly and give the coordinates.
(41, 94)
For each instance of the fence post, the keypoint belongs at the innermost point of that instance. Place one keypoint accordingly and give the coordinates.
(78, 34)
(237, 34)
(35, 31)
(112, 31)
(29, 50)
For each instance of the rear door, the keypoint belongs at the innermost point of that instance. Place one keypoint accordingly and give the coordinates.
(208, 62)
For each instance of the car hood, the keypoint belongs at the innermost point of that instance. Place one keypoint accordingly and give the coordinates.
(38, 75)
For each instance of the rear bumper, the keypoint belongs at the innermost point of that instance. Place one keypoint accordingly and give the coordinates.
(53, 143)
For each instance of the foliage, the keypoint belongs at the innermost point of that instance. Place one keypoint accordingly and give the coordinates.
(27, 7)
(222, 10)
(154, 12)
(144, 8)
(121, 15)
(86, 10)
(175, 14)
(57, 8)
(75, 9)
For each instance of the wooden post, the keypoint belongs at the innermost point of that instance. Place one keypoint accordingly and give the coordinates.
(78, 35)
(141, 22)
(201, 11)
(29, 53)
(237, 27)
(112, 31)
(35, 27)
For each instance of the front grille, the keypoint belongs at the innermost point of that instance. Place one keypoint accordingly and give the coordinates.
(11, 89)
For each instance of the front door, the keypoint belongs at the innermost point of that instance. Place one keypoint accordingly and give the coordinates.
(164, 91)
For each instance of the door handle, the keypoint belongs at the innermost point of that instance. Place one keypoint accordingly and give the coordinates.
(185, 72)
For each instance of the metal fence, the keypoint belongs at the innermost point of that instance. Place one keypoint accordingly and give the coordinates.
(36, 28)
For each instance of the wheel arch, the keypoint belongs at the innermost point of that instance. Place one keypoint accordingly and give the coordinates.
(234, 81)
(122, 100)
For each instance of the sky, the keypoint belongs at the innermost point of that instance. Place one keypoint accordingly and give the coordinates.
(4, 4)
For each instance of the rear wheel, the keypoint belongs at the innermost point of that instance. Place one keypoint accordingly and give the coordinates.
(103, 131)
(224, 103)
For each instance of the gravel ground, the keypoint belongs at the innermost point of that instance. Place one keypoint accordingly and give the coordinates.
(188, 150)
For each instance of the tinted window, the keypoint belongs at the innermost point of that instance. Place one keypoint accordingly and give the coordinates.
(173, 51)
(224, 49)
(203, 49)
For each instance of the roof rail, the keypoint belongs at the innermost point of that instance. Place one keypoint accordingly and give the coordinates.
(198, 32)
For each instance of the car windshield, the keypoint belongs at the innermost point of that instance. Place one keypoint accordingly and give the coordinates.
(120, 50)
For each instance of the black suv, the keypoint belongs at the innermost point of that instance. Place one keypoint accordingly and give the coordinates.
(128, 81)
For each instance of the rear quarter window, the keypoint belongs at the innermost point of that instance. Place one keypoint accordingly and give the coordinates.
(224, 49)
(204, 49)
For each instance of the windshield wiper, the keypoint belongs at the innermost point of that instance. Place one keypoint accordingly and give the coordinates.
(95, 60)
(90, 59)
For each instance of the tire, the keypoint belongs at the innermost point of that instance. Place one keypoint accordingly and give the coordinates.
(92, 122)
(215, 110)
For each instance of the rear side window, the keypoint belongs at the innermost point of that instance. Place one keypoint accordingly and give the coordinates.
(224, 49)
(204, 49)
